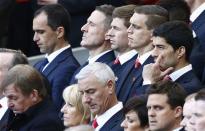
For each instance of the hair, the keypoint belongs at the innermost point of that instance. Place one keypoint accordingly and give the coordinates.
(190, 97)
(200, 95)
(182, 35)
(26, 78)
(124, 12)
(174, 92)
(73, 96)
(57, 16)
(18, 57)
(156, 15)
(101, 71)
(80, 128)
(178, 9)
(138, 105)
(107, 11)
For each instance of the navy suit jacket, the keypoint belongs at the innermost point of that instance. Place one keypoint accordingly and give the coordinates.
(113, 124)
(132, 84)
(59, 72)
(203, 78)
(106, 58)
(189, 82)
(40, 117)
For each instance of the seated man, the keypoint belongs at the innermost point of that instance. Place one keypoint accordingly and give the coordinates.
(29, 107)
(164, 104)
(97, 86)
(171, 54)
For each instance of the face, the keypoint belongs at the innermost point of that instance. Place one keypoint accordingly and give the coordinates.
(18, 102)
(94, 31)
(169, 57)
(138, 34)
(199, 115)
(71, 116)
(44, 36)
(158, 112)
(118, 35)
(95, 95)
(5, 62)
(187, 113)
(131, 122)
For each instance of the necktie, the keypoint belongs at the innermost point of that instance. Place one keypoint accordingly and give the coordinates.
(137, 63)
(94, 124)
(44, 63)
(117, 61)
(167, 78)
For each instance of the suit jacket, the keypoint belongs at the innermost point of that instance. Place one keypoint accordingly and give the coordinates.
(113, 124)
(40, 117)
(203, 78)
(59, 72)
(106, 58)
(132, 84)
(189, 82)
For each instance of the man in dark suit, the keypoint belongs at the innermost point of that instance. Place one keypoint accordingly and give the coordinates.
(97, 85)
(171, 54)
(94, 39)
(164, 104)
(197, 19)
(29, 106)
(51, 27)
(142, 22)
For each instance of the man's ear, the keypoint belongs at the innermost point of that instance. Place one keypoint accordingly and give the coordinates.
(34, 95)
(111, 87)
(178, 111)
(60, 32)
(181, 52)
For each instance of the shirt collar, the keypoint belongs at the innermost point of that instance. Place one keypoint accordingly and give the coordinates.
(53, 55)
(93, 59)
(197, 12)
(102, 119)
(127, 56)
(178, 73)
(144, 57)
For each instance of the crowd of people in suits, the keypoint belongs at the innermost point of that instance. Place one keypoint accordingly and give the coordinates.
(145, 71)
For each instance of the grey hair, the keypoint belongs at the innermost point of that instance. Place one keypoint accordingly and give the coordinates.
(102, 72)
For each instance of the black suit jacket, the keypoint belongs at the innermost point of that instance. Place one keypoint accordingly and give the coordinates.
(113, 124)
(59, 72)
(40, 117)
(106, 58)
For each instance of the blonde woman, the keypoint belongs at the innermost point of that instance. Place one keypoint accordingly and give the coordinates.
(74, 112)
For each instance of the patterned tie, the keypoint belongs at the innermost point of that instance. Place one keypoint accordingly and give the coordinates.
(94, 124)
(117, 61)
(137, 63)
(44, 63)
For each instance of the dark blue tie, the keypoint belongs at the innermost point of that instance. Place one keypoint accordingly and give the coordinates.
(44, 63)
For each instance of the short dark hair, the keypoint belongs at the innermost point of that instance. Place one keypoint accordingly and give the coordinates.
(18, 57)
(156, 15)
(200, 95)
(107, 11)
(26, 78)
(57, 16)
(138, 105)
(177, 34)
(124, 12)
(175, 93)
(178, 9)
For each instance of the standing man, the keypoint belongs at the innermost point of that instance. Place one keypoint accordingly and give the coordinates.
(118, 37)
(97, 86)
(171, 54)
(51, 27)
(93, 38)
(164, 104)
(142, 23)
(28, 103)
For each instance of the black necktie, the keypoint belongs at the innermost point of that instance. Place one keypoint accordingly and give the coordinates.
(44, 63)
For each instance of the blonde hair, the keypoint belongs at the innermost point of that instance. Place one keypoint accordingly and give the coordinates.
(72, 95)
